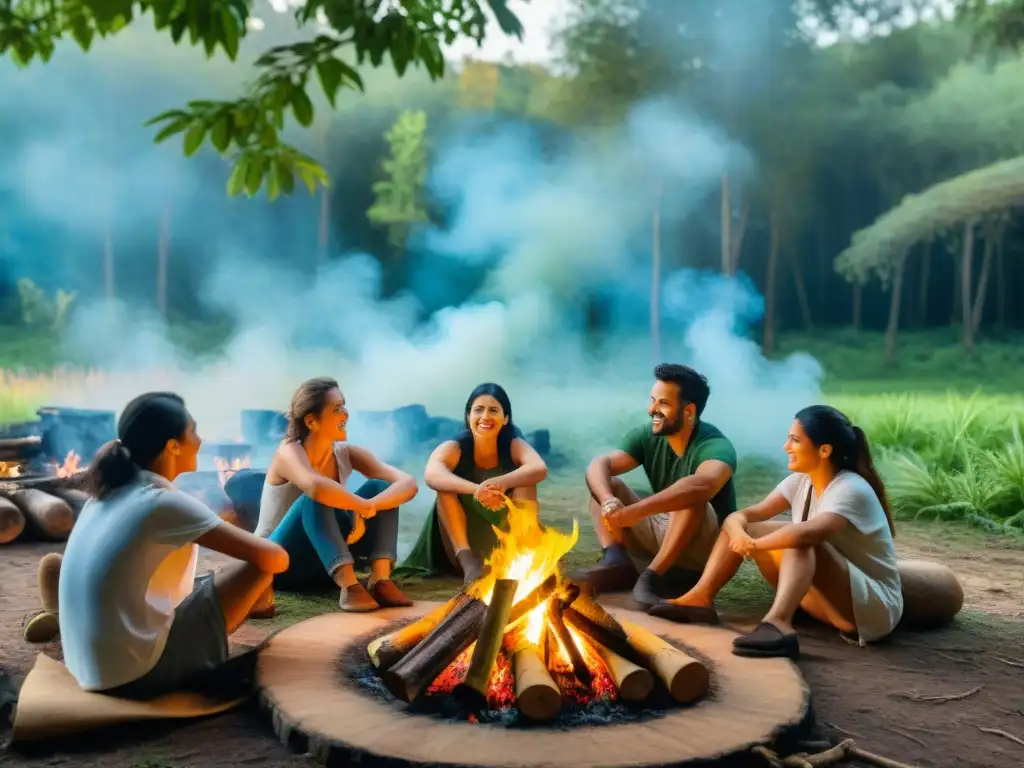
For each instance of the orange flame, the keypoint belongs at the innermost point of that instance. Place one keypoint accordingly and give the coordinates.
(225, 468)
(10, 469)
(72, 465)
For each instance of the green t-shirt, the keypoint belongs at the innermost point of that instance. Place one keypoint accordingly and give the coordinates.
(663, 467)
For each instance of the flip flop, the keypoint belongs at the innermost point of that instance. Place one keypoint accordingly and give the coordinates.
(684, 614)
(767, 641)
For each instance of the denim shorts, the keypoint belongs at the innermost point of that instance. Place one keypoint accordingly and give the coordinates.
(196, 646)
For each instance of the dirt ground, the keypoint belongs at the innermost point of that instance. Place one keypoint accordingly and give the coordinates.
(877, 695)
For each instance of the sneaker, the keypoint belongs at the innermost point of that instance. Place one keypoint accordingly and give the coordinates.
(42, 628)
(388, 595)
(648, 588)
(356, 599)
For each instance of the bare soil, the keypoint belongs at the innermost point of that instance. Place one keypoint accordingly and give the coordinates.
(877, 695)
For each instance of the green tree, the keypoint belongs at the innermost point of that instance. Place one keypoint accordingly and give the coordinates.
(349, 33)
(399, 203)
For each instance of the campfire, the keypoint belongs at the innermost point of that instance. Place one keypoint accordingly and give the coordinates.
(10, 469)
(524, 637)
(71, 465)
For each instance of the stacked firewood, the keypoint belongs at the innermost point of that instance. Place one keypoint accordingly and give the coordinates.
(36, 507)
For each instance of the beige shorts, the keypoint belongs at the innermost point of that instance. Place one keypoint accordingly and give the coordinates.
(644, 539)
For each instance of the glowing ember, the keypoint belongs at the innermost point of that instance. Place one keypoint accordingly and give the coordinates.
(10, 469)
(225, 468)
(72, 465)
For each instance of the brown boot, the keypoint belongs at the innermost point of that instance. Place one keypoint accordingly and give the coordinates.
(42, 628)
(356, 599)
(388, 595)
(264, 608)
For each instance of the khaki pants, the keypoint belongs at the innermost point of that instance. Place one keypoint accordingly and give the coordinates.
(644, 539)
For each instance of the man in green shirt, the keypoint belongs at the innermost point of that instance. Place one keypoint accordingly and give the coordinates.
(690, 466)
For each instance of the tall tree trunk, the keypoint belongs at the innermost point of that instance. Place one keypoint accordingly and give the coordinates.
(323, 229)
(108, 260)
(726, 225)
(926, 268)
(986, 267)
(163, 247)
(769, 286)
(801, 291)
(858, 305)
(957, 275)
(820, 264)
(895, 300)
(1001, 278)
(967, 264)
(737, 238)
(656, 276)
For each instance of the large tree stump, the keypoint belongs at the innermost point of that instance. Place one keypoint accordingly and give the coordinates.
(314, 708)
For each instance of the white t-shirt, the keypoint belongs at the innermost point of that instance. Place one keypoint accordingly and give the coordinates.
(129, 562)
(866, 543)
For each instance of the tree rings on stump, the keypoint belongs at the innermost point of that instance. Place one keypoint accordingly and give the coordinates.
(750, 702)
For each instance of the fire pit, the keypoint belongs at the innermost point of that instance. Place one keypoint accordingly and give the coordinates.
(519, 669)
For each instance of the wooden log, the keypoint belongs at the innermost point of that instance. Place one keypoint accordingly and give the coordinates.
(537, 695)
(12, 521)
(49, 516)
(524, 607)
(75, 498)
(932, 594)
(14, 484)
(591, 620)
(685, 678)
(473, 689)
(633, 681)
(411, 676)
(557, 626)
(384, 652)
(20, 448)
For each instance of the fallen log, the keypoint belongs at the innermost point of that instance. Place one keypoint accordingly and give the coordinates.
(685, 678)
(588, 618)
(50, 517)
(538, 697)
(413, 674)
(12, 521)
(384, 652)
(473, 689)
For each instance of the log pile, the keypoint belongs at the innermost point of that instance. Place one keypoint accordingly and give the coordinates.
(579, 644)
(32, 506)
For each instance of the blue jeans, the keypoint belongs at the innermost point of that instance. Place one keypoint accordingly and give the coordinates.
(314, 537)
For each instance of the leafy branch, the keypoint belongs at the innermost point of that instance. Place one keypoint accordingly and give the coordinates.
(248, 129)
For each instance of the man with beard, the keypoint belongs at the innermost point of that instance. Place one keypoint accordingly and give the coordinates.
(689, 464)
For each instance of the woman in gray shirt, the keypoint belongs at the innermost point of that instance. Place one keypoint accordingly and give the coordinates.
(836, 559)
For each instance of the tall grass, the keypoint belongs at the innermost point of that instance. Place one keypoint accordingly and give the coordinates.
(948, 457)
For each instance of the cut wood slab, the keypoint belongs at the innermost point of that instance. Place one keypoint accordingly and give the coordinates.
(312, 707)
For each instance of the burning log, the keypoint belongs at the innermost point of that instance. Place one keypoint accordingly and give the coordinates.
(525, 607)
(633, 681)
(413, 674)
(588, 618)
(473, 688)
(685, 678)
(561, 636)
(50, 516)
(538, 697)
(386, 651)
(12, 521)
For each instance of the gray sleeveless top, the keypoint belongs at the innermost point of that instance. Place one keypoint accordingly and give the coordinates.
(276, 500)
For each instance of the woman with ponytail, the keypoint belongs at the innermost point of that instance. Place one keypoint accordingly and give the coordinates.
(133, 619)
(836, 559)
(471, 475)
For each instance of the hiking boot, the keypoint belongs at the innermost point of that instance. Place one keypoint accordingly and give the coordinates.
(615, 572)
(42, 628)
(472, 566)
(264, 608)
(648, 588)
(356, 599)
(388, 595)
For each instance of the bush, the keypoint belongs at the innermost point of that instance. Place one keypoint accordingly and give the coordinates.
(948, 457)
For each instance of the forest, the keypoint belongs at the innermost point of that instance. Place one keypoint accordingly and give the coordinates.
(870, 180)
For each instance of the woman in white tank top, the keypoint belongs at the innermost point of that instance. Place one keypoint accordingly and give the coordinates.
(325, 528)
(836, 560)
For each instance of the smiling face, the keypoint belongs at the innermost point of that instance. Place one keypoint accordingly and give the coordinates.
(804, 455)
(331, 423)
(181, 455)
(486, 417)
(667, 415)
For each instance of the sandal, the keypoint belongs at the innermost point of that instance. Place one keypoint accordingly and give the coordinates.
(684, 614)
(767, 641)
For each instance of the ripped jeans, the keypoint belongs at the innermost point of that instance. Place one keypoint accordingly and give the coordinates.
(314, 537)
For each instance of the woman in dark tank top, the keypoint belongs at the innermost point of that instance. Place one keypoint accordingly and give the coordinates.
(471, 475)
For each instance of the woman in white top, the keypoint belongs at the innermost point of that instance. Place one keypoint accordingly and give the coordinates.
(134, 621)
(836, 560)
(324, 527)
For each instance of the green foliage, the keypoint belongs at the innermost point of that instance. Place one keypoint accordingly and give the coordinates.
(38, 311)
(248, 129)
(998, 23)
(399, 200)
